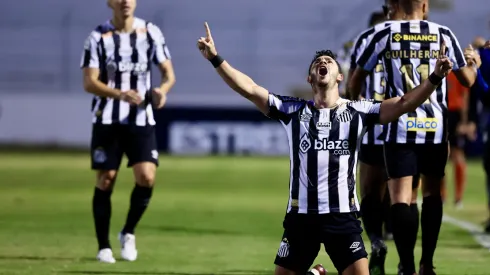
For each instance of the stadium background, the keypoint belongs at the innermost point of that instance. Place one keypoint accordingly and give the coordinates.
(211, 215)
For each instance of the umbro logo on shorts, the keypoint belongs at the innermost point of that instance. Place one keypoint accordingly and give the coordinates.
(355, 246)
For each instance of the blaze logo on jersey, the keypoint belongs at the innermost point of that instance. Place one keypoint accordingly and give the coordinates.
(422, 124)
(336, 147)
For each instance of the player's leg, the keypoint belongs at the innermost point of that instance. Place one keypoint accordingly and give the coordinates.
(344, 244)
(106, 158)
(373, 187)
(486, 166)
(433, 159)
(388, 231)
(401, 166)
(457, 143)
(141, 149)
(299, 246)
(414, 209)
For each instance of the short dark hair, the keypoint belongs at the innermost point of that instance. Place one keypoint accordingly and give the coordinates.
(376, 17)
(321, 53)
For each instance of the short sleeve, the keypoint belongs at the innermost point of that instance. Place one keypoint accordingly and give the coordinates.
(454, 51)
(90, 55)
(280, 107)
(369, 109)
(376, 45)
(359, 47)
(162, 53)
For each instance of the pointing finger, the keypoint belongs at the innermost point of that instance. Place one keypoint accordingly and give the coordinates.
(443, 48)
(208, 31)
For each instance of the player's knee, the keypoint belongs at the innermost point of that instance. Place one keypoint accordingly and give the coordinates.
(106, 179)
(146, 179)
(400, 190)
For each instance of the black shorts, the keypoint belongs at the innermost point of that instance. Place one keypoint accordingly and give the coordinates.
(110, 142)
(372, 154)
(404, 160)
(455, 139)
(303, 235)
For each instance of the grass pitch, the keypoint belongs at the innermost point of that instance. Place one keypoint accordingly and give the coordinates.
(207, 216)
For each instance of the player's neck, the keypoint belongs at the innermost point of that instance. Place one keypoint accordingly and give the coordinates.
(413, 16)
(325, 98)
(123, 24)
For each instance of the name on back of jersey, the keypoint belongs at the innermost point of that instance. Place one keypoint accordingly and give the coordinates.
(422, 124)
(336, 147)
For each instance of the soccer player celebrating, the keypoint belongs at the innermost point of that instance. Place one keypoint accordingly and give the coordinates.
(116, 66)
(323, 134)
(417, 141)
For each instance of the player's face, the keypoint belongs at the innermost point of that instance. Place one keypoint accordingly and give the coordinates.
(123, 7)
(324, 72)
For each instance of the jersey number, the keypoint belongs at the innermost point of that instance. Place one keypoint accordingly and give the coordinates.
(377, 96)
(407, 72)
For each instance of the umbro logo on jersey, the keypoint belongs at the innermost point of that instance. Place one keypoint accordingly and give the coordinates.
(355, 246)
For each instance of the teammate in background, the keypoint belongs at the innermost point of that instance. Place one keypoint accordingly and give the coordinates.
(323, 134)
(372, 170)
(417, 142)
(481, 92)
(458, 96)
(116, 66)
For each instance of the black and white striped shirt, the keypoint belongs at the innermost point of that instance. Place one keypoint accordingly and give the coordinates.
(323, 146)
(124, 61)
(374, 86)
(409, 50)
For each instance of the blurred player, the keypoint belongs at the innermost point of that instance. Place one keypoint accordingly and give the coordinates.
(372, 171)
(481, 91)
(458, 96)
(417, 142)
(116, 66)
(323, 135)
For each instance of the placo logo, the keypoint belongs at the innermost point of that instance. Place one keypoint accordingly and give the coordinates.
(422, 124)
(207, 138)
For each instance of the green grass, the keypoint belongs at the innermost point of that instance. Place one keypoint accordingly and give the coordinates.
(207, 216)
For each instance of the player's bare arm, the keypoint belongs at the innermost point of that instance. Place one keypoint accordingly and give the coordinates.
(393, 108)
(168, 81)
(238, 81)
(93, 85)
(467, 74)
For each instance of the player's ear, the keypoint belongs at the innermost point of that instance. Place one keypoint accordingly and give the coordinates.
(308, 79)
(340, 77)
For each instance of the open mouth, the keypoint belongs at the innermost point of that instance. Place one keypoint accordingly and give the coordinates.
(322, 70)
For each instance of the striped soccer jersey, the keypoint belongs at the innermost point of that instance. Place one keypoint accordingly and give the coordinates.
(409, 51)
(124, 61)
(323, 151)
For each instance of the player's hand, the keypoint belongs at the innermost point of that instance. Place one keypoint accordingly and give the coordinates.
(132, 97)
(159, 98)
(443, 64)
(471, 131)
(472, 57)
(206, 44)
(487, 45)
(462, 129)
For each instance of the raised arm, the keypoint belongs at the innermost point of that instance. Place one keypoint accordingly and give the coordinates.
(464, 69)
(236, 80)
(393, 108)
